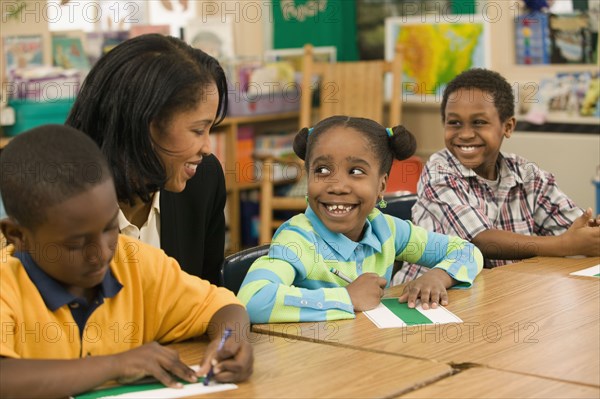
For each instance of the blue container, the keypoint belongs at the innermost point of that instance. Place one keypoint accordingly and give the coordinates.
(29, 114)
(597, 184)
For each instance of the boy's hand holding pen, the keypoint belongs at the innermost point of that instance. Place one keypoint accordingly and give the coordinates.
(365, 292)
(227, 359)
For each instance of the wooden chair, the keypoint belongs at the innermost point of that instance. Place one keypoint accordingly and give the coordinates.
(351, 88)
(346, 88)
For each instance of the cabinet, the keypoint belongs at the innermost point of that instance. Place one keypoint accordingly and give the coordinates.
(229, 127)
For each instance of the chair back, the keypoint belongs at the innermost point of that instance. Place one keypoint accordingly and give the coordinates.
(235, 267)
(351, 88)
(404, 175)
(399, 204)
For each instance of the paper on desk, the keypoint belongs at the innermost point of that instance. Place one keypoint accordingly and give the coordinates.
(593, 271)
(392, 314)
(156, 391)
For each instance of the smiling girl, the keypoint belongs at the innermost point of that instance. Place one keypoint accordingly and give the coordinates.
(348, 162)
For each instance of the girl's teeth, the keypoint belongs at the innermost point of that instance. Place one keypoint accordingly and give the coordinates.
(343, 208)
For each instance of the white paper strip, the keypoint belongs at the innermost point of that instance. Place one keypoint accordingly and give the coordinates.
(589, 272)
(168, 393)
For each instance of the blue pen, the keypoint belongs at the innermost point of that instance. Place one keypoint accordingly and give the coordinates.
(211, 372)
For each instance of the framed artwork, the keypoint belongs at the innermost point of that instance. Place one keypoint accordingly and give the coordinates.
(435, 50)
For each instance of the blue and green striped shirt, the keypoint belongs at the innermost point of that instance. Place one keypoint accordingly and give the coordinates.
(293, 282)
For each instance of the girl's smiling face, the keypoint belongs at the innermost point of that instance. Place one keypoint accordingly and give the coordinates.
(344, 180)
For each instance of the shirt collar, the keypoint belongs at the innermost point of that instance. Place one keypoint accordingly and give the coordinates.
(154, 212)
(52, 292)
(339, 242)
(507, 178)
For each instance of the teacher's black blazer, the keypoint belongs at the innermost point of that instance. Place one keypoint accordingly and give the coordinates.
(192, 223)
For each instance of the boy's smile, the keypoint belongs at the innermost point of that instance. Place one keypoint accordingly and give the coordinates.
(474, 132)
(344, 181)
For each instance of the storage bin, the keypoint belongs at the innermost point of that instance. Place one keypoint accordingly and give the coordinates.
(597, 184)
(30, 113)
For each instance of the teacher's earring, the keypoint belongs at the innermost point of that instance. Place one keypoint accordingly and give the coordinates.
(306, 198)
(382, 203)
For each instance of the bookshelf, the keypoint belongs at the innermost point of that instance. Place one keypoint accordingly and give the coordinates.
(229, 127)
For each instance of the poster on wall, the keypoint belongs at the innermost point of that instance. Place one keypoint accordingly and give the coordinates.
(213, 36)
(24, 51)
(319, 22)
(435, 50)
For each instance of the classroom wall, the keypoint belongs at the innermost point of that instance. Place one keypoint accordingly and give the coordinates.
(250, 18)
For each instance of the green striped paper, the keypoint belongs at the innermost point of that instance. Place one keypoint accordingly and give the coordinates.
(410, 316)
(123, 389)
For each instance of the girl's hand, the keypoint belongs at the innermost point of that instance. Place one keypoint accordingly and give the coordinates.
(430, 287)
(233, 363)
(366, 291)
(153, 360)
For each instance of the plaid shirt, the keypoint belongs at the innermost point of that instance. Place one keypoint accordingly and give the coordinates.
(453, 199)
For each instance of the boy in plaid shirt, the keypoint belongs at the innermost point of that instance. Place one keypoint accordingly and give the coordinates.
(504, 204)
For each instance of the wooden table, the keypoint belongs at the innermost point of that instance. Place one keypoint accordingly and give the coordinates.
(544, 325)
(487, 383)
(286, 368)
(552, 266)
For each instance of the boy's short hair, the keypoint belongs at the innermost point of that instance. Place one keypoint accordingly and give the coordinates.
(487, 81)
(45, 166)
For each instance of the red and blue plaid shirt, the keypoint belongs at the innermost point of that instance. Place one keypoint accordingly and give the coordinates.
(454, 200)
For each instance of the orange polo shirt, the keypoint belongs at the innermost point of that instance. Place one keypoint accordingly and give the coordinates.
(158, 302)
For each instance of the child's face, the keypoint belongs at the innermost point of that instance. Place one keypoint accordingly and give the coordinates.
(77, 241)
(186, 141)
(344, 182)
(474, 132)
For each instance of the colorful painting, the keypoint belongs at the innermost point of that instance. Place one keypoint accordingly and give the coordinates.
(434, 52)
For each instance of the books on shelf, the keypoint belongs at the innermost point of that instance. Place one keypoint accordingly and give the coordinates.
(245, 166)
(572, 94)
(279, 146)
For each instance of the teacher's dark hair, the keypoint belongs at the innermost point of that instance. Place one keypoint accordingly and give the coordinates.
(149, 78)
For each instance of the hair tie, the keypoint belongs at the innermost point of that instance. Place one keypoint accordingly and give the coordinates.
(310, 130)
(389, 131)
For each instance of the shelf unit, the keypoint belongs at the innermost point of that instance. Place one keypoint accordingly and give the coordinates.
(229, 127)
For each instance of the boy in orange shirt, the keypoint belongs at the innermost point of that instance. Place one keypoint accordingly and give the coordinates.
(81, 305)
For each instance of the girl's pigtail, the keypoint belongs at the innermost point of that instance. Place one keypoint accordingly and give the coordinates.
(301, 143)
(402, 143)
